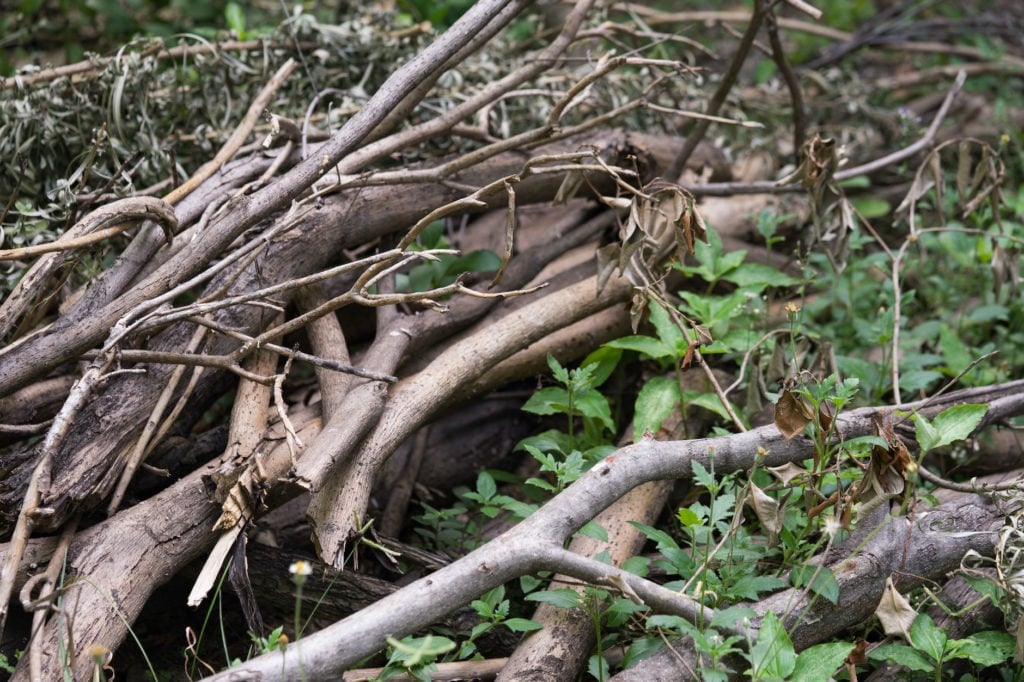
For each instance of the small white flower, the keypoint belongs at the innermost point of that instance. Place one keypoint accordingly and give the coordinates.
(832, 526)
(300, 567)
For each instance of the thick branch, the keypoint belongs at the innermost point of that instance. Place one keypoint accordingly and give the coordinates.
(524, 548)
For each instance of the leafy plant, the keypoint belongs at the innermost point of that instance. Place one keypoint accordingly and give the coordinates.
(772, 656)
(589, 425)
(929, 649)
(443, 269)
(415, 656)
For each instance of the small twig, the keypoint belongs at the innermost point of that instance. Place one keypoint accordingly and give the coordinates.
(792, 82)
(238, 137)
(718, 98)
(949, 384)
(970, 487)
(141, 447)
(93, 66)
(723, 189)
(47, 593)
(719, 392)
(39, 483)
(291, 437)
(906, 152)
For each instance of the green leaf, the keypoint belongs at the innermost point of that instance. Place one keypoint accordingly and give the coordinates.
(660, 537)
(709, 401)
(750, 587)
(547, 401)
(542, 484)
(820, 661)
(234, 17)
(926, 636)
(677, 623)
(645, 345)
(485, 485)
(702, 476)
(593, 529)
(481, 260)
(958, 422)
(563, 598)
(689, 518)
(772, 656)
(605, 359)
(414, 651)
(729, 617)
(639, 649)
(904, 655)
(656, 400)
(823, 584)
(560, 373)
(985, 586)
(522, 625)
(954, 352)
(990, 647)
(598, 667)
(640, 565)
(668, 331)
(593, 405)
(871, 207)
(949, 426)
(758, 276)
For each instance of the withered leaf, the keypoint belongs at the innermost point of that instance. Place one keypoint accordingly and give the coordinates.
(894, 612)
(570, 185)
(768, 512)
(636, 310)
(826, 415)
(787, 472)
(792, 413)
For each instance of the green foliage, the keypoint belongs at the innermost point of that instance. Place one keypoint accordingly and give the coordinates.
(443, 269)
(443, 13)
(566, 455)
(6, 665)
(951, 425)
(275, 640)
(415, 656)
(930, 649)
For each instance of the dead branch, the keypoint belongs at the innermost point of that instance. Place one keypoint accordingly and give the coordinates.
(536, 543)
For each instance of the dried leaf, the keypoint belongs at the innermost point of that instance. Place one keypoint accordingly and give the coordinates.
(826, 415)
(963, 168)
(510, 230)
(607, 260)
(703, 334)
(571, 184)
(787, 472)
(792, 413)
(636, 311)
(668, 209)
(688, 356)
(886, 476)
(768, 512)
(894, 612)
(859, 655)
(935, 166)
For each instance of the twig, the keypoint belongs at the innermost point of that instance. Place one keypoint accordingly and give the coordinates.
(970, 487)
(39, 483)
(238, 136)
(91, 67)
(47, 594)
(117, 216)
(141, 447)
(792, 82)
(722, 189)
(718, 99)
